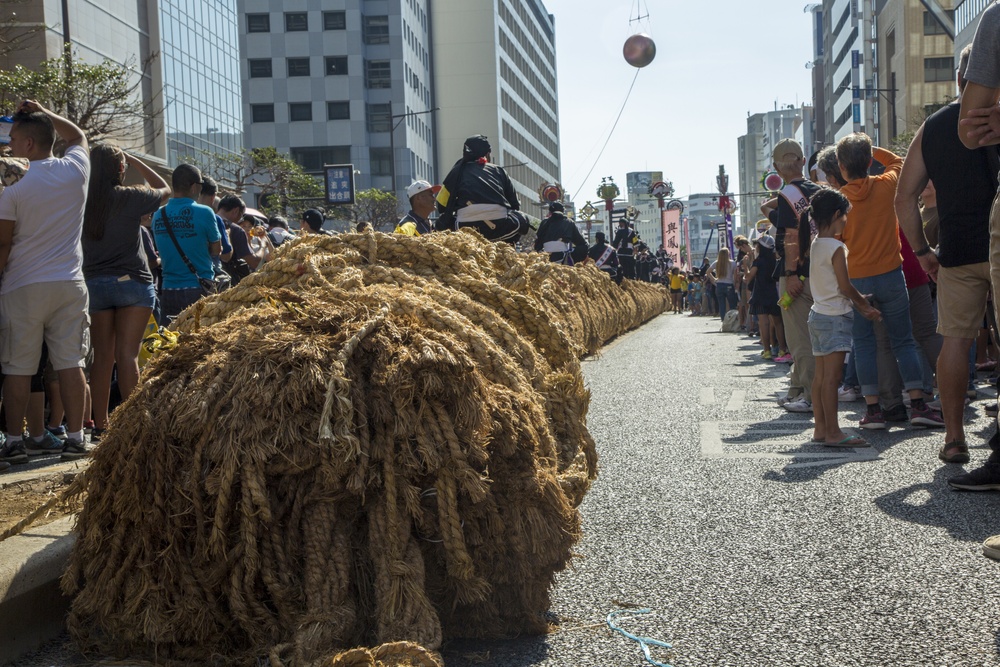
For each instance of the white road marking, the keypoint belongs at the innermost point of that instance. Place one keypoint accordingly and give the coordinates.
(736, 400)
(707, 396)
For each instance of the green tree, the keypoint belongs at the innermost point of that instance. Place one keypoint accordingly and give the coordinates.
(281, 181)
(378, 207)
(104, 100)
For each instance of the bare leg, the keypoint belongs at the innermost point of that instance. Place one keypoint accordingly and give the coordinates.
(953, 377)
(820, 426)
(130, 323)
(102, 336)
(779, 332)
(73, 386)
(16, 394)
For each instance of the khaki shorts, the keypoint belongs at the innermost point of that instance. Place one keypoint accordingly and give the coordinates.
(961, 299)
(55, 312)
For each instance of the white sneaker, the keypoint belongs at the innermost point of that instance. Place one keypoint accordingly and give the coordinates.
(847, 394)
(936, 404)
(798, 405)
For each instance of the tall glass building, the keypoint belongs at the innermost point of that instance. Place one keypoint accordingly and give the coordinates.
(192, 84)
(202, 96)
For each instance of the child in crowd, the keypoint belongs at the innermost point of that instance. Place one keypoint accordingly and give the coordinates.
(831, 317)
(684, 291)
(694, 294)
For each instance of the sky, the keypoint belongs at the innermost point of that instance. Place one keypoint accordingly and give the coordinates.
(716, 61)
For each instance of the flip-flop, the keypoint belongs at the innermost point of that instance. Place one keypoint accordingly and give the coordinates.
(818, 441)
(959, 452)
(849, 441)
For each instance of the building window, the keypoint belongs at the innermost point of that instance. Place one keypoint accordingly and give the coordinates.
(260, 68)
(381, 159)
(939, 69)
(262, 113)
(298, 67)
(376, 29)
(336, 65)
(338, 110)
(313, 158)
(334, 20)
(931, 25)
(296, 21)
(300, 111)
(258, 23)
(378, 74)
(378, 117)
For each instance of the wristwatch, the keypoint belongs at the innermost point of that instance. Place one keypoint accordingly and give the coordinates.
(923, 251)
(791, 273)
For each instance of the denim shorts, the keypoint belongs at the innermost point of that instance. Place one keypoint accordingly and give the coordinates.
(111, 292)
(830, 333)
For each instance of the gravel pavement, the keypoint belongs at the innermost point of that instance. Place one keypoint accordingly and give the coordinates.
(750, 545)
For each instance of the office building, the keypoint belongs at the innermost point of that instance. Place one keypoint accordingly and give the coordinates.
(191, 85)
(495, 74)
(764, 131)
(915, 71)
(967, 14)
(845, 60)
(348, 83)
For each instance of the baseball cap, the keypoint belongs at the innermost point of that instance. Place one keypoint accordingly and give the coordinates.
(786, 147)
(556, 206)
(416, 187)
(313, 217)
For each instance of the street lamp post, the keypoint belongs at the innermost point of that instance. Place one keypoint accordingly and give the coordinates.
(392, 140)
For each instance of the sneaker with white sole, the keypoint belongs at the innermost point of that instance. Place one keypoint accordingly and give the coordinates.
(73, 449)
(991, 547)
(49, 444)
(13, 452)
(873, 420)
(926, 416)
(983, 478)
(798, 405)
(848, 394)
(786, 358)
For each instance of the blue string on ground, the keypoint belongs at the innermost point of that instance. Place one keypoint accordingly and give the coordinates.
(644, 642)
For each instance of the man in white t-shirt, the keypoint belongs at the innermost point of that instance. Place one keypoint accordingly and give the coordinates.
(43, 296)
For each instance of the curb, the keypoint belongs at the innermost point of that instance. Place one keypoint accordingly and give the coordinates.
(32, 608)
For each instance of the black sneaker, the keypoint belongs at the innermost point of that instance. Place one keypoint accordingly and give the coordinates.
(13, 452)
(986, 478)
(991, 409)
(95, 435)
(73, 449)
(4, 466)
(896, 413)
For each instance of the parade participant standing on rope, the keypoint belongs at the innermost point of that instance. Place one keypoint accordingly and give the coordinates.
(421, 195)
(605, 258)
(559, 236)
(480, 195)
(790, 239)
(624, 242)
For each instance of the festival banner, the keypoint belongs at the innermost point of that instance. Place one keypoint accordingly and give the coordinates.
(671, 224)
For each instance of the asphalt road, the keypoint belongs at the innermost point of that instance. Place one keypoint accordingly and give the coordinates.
(749, 545)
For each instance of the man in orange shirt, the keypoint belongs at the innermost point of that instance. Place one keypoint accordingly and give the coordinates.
(872, 240)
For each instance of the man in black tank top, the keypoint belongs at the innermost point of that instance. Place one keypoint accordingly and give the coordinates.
(966, 182)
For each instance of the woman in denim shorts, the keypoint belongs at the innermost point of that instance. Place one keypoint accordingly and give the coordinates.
(831, 317)
(118, 277)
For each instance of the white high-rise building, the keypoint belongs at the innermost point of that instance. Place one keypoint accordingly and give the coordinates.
(495, 74)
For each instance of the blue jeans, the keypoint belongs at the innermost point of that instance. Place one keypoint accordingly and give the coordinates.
(725, 294)
(891, 298)
(850, 370)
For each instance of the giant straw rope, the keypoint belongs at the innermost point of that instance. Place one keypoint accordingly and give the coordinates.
(375, 440)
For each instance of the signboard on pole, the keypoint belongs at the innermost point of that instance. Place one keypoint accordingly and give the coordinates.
(339, 183)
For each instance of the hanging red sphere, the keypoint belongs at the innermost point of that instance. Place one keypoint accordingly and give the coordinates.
(639, 50)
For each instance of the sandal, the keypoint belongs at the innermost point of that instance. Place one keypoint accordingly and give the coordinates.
(849, 441)
(954, 452)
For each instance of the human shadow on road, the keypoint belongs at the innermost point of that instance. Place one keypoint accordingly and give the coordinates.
(522, 651)
(965, 515)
